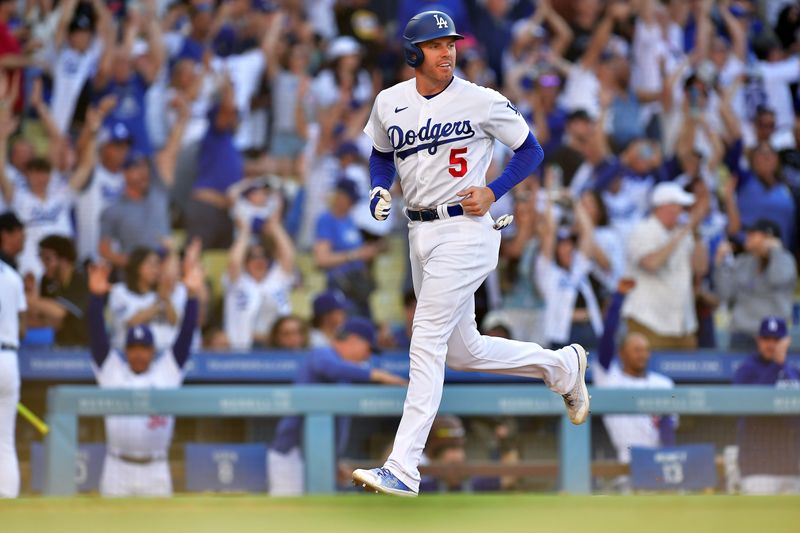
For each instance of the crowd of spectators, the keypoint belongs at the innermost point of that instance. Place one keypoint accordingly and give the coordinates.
(130, 130)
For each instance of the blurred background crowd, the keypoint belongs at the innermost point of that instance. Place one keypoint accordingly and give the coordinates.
(149, 133)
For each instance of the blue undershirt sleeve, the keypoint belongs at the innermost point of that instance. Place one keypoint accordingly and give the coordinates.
(522, 164)
(98, 338)
(381, 169)
(607, 346)
(183, 343)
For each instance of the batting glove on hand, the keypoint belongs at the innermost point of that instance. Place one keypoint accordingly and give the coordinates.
(380, 202)
(503, 221)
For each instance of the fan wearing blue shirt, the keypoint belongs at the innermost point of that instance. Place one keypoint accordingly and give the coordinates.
(769, 446)
(345, 361)
(340, 249)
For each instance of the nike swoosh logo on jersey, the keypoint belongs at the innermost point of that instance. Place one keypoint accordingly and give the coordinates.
(398, 109)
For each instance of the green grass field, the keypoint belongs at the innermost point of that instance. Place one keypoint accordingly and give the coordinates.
(355, 513)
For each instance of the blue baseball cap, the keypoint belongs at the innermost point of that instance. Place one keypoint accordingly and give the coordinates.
(348, 187)
(330, 300)
(263, 6)
(117, 132)
(347, 148)
(773, 327)
(134, 158)
(140, 335)
(363, 328)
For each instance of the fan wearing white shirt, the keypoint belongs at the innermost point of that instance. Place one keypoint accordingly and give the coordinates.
(663, 257)
(44, 205)
(104, 187)
(257, 285)
(75, 53)
(572, 310)
(630, 372)
(151, 295)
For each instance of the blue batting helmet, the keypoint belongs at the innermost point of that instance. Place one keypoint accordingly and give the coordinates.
(426, 26)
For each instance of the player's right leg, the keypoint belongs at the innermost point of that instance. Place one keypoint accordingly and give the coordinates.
(9, 396)
(563, 370)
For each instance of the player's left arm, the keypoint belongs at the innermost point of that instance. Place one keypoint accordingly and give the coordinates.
(193, 281)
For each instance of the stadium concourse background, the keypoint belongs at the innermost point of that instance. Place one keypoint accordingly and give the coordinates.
(621, 95)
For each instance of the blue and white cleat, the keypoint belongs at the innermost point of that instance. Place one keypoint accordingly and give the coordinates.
(381, 480)
(577, 400)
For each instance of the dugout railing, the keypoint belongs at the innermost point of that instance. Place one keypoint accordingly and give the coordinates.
(319, 404)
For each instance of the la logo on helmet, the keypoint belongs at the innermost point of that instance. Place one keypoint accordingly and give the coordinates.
(440, 22)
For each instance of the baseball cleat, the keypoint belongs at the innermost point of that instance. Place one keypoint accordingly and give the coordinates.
(577, 400)
(381, 481)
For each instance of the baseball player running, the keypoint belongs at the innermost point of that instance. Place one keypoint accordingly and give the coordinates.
(12, 305)
(136, 462)
(437, 132)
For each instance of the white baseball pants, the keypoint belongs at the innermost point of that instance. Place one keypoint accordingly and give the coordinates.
(286, 472)
(768, 485)
(121, 478)
(450, 258)
(9, 396)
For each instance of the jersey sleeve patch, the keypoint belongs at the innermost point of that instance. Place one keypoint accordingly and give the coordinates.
(505, 123)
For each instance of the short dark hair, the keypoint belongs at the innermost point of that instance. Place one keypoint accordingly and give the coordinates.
(409, 297)
(579, 114)
(135, 260)
(9, 221)
(62, 246)
(39, 164)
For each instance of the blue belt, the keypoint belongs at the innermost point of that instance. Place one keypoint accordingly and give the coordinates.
(8, 347)
(427, 215)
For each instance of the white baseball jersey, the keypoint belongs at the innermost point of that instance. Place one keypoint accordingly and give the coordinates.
(125, 303)
(253, 306)
(71, 69)
(104, 189)
(627, 431)
(139, 436)
(444, 144)
(43, 217)
(12, 303)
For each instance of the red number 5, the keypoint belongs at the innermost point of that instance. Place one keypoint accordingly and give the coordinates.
(460, 161)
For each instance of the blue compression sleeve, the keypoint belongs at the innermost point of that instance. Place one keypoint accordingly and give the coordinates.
(607, 346)
(522, 164)
(183, 344)
(98, 338)
(381, 169)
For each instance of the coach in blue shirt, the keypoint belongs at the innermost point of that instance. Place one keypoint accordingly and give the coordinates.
(343, 362)
(769, 446)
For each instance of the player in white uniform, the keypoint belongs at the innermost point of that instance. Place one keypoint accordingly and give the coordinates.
(12, 305)
(136, 463)
(627, 431)
(438, 131)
